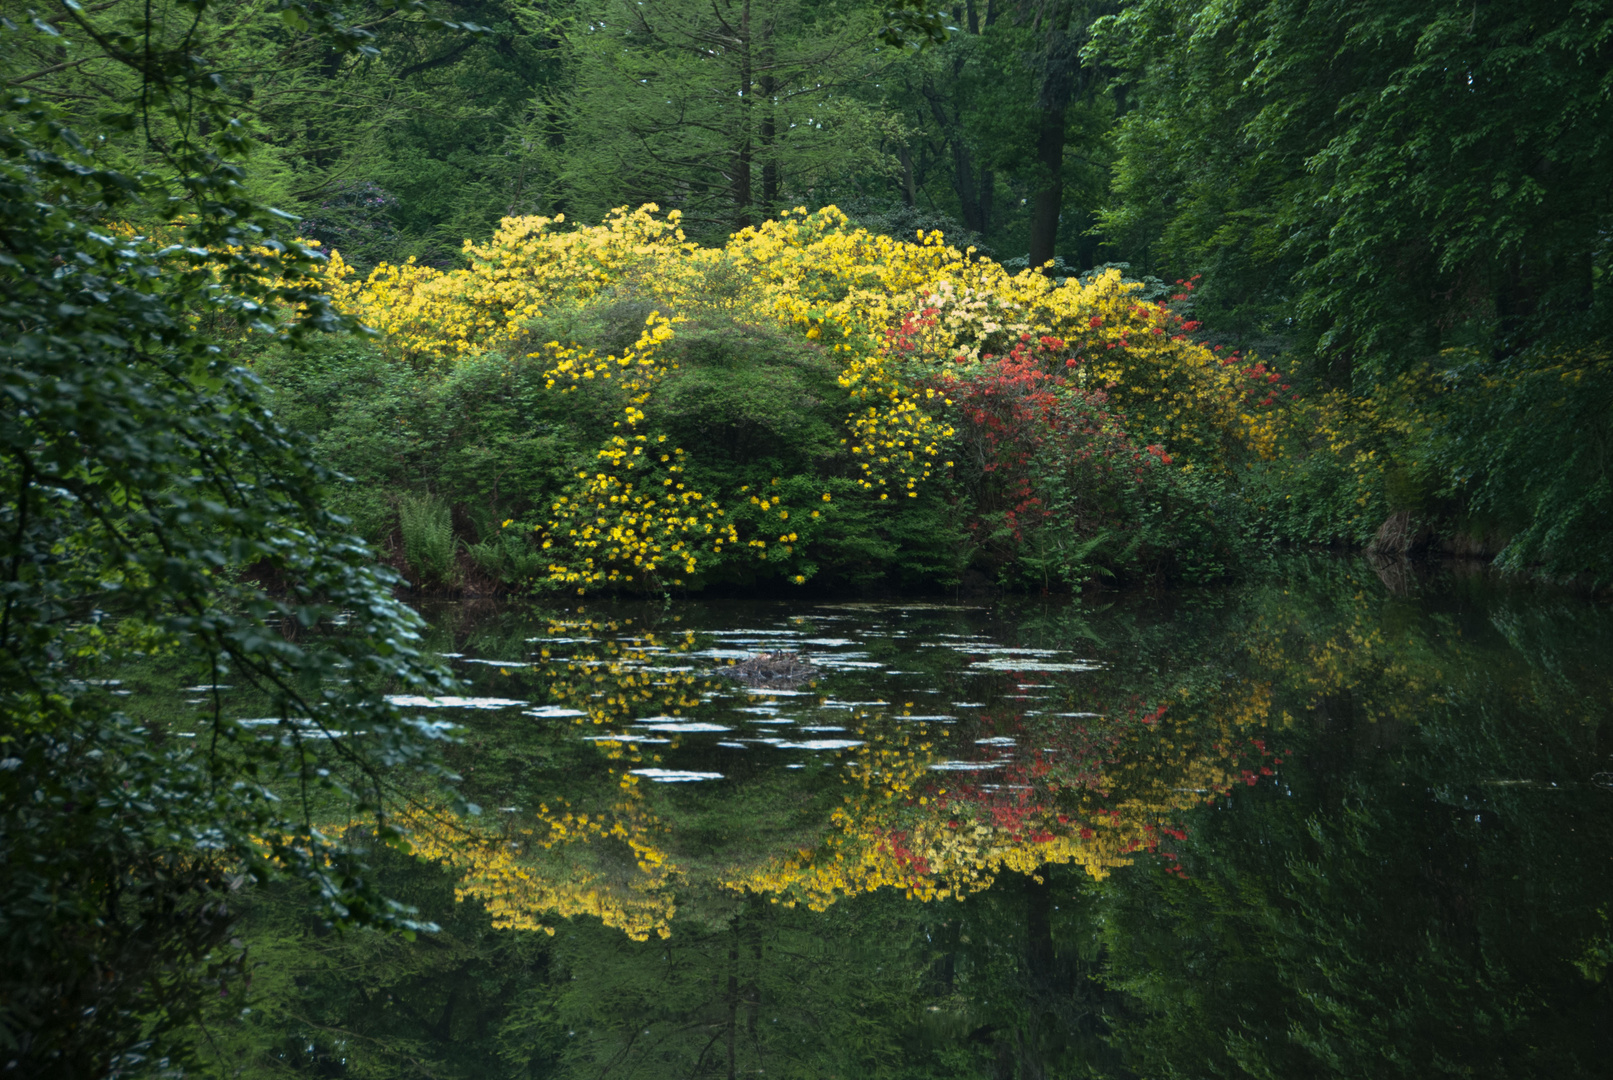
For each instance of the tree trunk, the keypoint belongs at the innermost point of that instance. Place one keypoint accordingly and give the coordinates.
(909, 190)
(1049, 201)
(771, 181)
(988, 194)
(742, 169)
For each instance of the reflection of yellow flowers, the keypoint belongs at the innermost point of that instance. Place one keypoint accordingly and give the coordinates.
(507, 871)
(895, 830)
(900, 825)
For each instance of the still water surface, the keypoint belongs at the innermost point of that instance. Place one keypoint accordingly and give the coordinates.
(1310, 825)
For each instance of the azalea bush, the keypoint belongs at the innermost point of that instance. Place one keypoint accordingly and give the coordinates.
(808, 401)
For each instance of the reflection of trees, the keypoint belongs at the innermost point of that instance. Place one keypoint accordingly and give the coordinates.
(1415, 902)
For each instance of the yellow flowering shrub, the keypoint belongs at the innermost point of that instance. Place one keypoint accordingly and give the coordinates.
(898, 321)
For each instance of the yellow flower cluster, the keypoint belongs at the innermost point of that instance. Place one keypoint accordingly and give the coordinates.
(633, 515)
(426, 315)
(631, 518)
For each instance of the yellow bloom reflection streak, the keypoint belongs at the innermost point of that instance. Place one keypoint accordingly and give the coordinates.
(897, 807)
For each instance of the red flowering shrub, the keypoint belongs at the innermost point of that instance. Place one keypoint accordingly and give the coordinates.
(1054, 487)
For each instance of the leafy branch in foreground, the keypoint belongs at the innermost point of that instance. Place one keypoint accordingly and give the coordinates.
(149, 500)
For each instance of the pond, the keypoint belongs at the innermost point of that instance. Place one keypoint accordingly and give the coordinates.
(1324, 822)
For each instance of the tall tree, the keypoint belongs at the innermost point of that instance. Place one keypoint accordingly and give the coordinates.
(1406, 178)
(728, 111)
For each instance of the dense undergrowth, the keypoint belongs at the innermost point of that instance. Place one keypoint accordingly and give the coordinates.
(616, 408)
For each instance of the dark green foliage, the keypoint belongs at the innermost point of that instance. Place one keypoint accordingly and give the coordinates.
(147, 494)
(757, 408)
(1525, 443)
(756, 403)
(1397, 905)
(1398, 180)
(363, 1004)
(1367, 187)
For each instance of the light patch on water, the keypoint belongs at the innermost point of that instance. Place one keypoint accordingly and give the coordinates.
(188, 689)
(968, 704)
(933, 719)
(850, 704)
(1080, 715)
(564, 640)
(835, 663)
(551, 712)
(796, 765)
(416, 701)
(997, 740)
(821, 744)
(626, 738)
(723, 654)
(775, 720)
(753, 633)
(498, 663)
(1010, 664)
(768, 692)
(964, 766)
(732, 745)
(829, 642)
(869, 605)
(451, 655)
(696, 725)
(763, 710)
(823, 727)
(675, 776)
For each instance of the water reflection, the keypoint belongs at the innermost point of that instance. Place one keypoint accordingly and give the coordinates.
(1298, 828)
(913, 802)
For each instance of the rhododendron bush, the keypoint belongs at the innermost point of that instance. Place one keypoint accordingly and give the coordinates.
(812, 399)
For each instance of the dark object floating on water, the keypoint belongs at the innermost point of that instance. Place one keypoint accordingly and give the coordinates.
(773, 669)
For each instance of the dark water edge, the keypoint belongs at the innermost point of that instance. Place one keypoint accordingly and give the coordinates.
(1319, 823)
